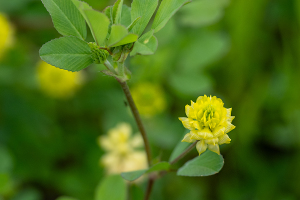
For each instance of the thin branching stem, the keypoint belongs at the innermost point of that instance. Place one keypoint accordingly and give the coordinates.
(183, 153)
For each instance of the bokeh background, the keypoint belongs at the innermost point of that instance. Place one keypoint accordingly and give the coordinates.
(245, 52)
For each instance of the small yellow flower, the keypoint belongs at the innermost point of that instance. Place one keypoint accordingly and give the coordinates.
(6, 34)
(58, 83)
(122, 154)
(208, 122)
(149, 98)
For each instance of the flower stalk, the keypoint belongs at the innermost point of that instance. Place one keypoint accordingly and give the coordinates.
(183, 153)
(137, 118)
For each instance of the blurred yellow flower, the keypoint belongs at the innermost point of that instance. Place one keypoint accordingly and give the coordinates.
(58, 83)
(6, 34)
(149, 98)
(122, 155)
(209, 123)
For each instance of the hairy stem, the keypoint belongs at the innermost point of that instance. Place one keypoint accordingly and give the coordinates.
(137, 118)
(183, 153)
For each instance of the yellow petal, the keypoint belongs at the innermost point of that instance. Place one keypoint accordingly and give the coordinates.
(228, 112)
(187, 138)
(212, 141)
(224, 139)
(229, 127)
(201, 134)
(187, 123)
(105, 143)
(214, 148)
(230, 118)
(201, 146)
(189, 111)
(218, 131)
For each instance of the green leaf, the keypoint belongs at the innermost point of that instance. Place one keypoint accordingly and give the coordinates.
(66, 198)
(205, 48)
(111, 187)
(143, 9)
(97, 21)
(108, 12)
(119, 35)
(181, 82)
(180, 147)
(66, 18)
(206, 164)
(166, 10)
(126, 16)
(133, 24)
(203, 13)
(133, 175)
(127, 39)
(146, 44)
(159, 167)
(117, 12)
(69, 53)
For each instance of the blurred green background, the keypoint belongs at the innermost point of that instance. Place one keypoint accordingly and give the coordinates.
(245, 52)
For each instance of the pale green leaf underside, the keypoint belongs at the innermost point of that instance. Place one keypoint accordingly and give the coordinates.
(146, 44)
(127, 39)
(112, 187)
(119, 35)
(97, 21)
(180, 147)
(206, 164)
(166, 10)
(69, 53)
(202, 13)
(143, 9)
(66, 18)
(131, 176)
(117, 12)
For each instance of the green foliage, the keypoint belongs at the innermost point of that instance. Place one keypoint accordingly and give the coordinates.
(66, 18)
(117, 11)
(207, 164)
(166, 10)
(131, 176)
(65, 198)
(111, 187)
(180, 147)
(126, 16)
(69, 53)
(143, 9)
(119, 36)
(202, 12)
(98, 55)
(146, 44)
(93, 17)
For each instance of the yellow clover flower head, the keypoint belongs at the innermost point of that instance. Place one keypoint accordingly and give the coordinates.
(208, 122)
(58, 83)
(6, 34)
(122, 154)
(149, 98)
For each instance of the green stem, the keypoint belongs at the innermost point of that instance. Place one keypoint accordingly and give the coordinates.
(137, 118)
(183, 153)
(109, 66)
(121, 70)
